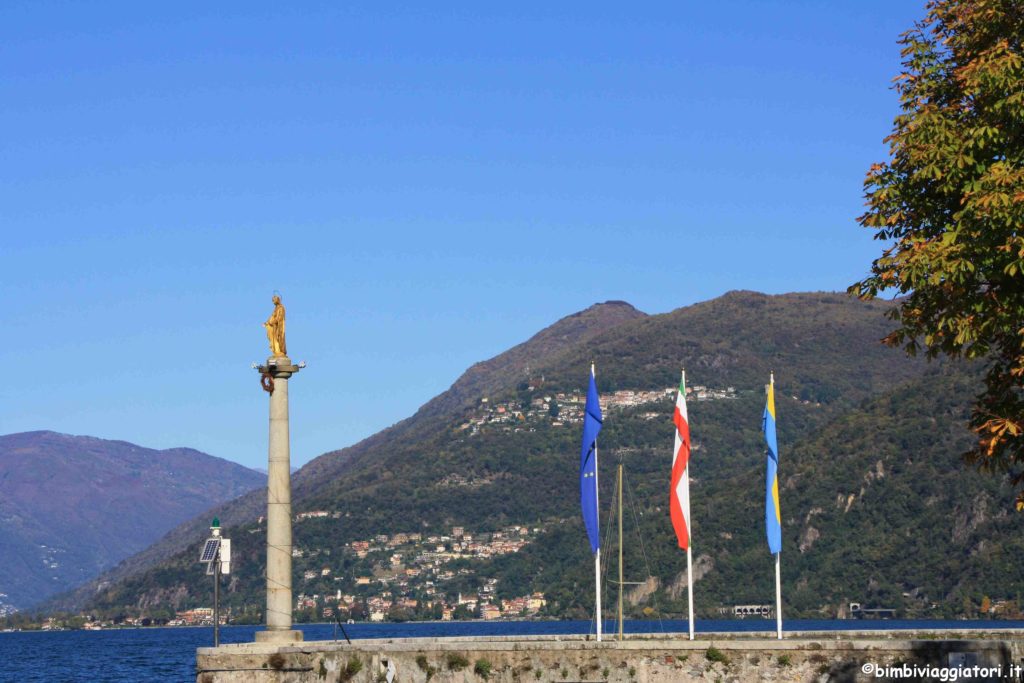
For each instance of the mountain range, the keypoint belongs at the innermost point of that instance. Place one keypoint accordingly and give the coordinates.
(877, 508)
(73, 506)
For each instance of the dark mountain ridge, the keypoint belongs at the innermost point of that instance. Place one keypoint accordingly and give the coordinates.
(542, 349)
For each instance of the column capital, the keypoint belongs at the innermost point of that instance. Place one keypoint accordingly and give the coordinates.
(279, 367)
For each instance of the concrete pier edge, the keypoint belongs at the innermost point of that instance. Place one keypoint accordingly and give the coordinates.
(640, 658)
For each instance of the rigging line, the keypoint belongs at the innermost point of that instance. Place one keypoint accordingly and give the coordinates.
(577, 598)
(604, 569)
(607, 533)
(631, 495)
(277, 583)
(617, 505)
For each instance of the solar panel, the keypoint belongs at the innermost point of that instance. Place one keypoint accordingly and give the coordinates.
(210, 550)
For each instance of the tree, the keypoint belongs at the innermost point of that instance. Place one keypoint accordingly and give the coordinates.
(950, 200)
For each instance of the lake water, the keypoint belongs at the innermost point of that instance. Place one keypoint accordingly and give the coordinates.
(168, 654)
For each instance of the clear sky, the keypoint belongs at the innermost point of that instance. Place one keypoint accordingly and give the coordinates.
(426, 185)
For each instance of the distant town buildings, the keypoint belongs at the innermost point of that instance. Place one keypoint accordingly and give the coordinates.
(199, 616)
(562, 409)
(403, 575)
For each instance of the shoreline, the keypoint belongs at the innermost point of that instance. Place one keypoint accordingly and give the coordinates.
(634, 629)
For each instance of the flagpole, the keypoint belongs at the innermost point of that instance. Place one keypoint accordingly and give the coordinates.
(689, 541)
(778, 595)
(778, 560)
(597, 583)
(597, 555)
(689, 586)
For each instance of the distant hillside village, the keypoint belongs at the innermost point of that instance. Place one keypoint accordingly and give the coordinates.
(398, 577)
(560, 408)
(407, 576)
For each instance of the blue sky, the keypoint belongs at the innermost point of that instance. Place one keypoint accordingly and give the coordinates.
(426, 187)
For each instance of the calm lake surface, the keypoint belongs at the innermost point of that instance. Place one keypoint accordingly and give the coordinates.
(168, 654)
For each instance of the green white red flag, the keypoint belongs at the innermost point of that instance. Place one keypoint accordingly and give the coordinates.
(679, 503)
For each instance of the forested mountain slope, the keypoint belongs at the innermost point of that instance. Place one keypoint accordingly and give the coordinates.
(877, 508)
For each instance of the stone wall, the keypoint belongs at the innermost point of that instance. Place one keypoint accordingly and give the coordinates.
(573, 659)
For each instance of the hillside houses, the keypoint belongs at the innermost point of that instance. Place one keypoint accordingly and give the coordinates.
(435, 550)
(560, 409)
(403, 576)
(315, 514)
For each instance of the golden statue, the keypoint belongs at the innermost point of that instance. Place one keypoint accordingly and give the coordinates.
(275, 329)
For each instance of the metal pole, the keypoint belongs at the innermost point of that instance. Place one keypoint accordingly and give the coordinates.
(689, 542)
(620, 551)
(337, 619)
(597, 555)
(216, 599)
(778, 595)
(689, 585)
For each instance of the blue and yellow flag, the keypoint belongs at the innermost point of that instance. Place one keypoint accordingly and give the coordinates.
(588, 464)
(772, 514)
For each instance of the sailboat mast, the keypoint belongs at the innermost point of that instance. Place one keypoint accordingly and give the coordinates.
(620, 549)
(597, 555)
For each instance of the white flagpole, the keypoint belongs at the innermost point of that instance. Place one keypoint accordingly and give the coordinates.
(597, 555)
(778, 595)
(597, 582)
(689, 586)
(778, 562)
(689, 544)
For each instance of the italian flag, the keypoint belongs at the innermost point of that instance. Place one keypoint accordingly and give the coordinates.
(679, 504)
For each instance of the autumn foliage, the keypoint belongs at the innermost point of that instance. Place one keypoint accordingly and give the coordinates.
(950, 203)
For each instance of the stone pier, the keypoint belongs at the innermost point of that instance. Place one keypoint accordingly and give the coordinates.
(639, 659)
(279, 508)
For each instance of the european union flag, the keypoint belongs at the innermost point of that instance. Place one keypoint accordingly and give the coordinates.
(772, 513)
(588, 464)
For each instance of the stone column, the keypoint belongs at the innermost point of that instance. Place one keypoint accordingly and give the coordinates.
(279, 509)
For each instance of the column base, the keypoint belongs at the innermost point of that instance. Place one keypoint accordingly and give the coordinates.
(291, 636)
